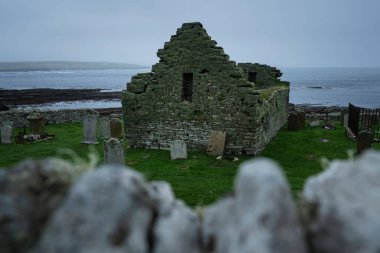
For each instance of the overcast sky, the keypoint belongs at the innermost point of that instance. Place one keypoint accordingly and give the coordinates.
(284, 33)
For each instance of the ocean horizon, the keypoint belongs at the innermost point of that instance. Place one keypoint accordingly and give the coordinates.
(312, 86)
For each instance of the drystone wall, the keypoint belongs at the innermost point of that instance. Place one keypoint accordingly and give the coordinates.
(194, 89)
(19, 118)
(53, 206)
(247, 132)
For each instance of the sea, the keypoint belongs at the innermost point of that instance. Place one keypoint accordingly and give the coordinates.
(310, 86)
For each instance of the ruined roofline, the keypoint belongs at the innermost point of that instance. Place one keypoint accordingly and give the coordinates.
(192, 24)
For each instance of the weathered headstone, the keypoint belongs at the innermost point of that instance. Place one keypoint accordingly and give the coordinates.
(89, 130)
(216, 143)
(292, 122)
(178, 150)
(364, 141)
(301, 120)
(7, 123)
(345, 120)
(114, 152)
(343, 112)
(6, 134)
(315, 123)
(36, 123)
(105, 128)
(116, 128)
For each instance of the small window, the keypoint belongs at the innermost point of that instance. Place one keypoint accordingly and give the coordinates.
(187, 87)
(252, 77)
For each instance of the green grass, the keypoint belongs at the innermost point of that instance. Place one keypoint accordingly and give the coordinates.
(200, 179)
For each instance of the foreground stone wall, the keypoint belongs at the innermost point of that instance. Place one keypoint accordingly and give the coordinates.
(196, 88)
(19, 118)
(54, 206)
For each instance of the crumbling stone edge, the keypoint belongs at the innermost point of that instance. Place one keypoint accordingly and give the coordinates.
(52, 206)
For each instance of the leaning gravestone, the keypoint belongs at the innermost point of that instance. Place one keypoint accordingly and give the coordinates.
(216, 143)
(116, 128)
(6, 134)
(292, 122)
(364, 141)
(114, 152)
(178, 150)
(105, 128)
(89, 130)
(36, 123)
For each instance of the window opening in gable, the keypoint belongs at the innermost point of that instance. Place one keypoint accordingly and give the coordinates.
(187, 87)
(252, 76)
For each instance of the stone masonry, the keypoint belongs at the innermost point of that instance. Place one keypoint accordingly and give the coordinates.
(195, 88)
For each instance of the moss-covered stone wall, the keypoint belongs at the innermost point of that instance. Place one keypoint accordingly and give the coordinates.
(196, 88)
(265, 75)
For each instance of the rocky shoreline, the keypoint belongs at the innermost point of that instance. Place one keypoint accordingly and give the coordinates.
(308, 108)
(11, 98)
(43, 96)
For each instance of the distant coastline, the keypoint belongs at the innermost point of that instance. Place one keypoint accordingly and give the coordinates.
(63, 65)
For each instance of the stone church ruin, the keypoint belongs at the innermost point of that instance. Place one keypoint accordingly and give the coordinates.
(194, 89)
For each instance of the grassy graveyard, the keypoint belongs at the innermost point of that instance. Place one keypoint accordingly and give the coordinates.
(200, 179)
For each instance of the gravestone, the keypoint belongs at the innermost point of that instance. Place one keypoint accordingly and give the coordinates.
(116, 128)
(300, 120)
(6, 134)
(343, 112)
(7, 123)
(89, 130)
(36, 123)
(315, 123)
(366, 121)
(292, 122)
(345, 120)
(364, 141)
(178, 150)
(114, 152)
(216, 143)
(105, 128)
